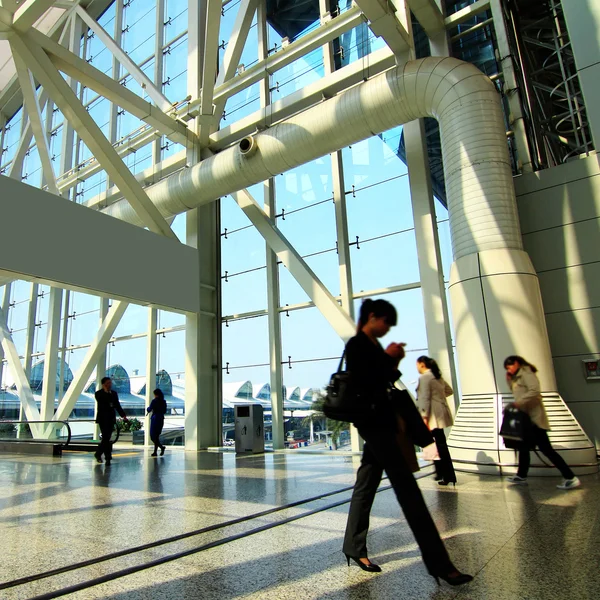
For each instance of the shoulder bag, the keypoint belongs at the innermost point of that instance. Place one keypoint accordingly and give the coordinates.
(341, 398)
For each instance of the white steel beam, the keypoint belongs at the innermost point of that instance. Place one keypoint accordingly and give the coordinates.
(51, 354)
(466, 13)
(159, 25)
(309, 42)
(93, 78)
(90, 361)
(63, 96)
(28, 12)
(273, 288)
(429, 15)
(115, 49)
(151, 362)
(35, 119)
(233, 52)
(210, 58)
(340, 320)
(14, 364)
(312, 94)
(16, 165)
(6, 283)
(384, 23)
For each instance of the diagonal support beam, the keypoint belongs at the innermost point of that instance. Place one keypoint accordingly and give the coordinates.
(66, 100)
(384, 23)
(14, 364)
(29, 12)
(35, 121)
(235, 47)
(429, 15)
(102, 84)
(16, 166)
(138, 75)
(106, 331)
(340, 320)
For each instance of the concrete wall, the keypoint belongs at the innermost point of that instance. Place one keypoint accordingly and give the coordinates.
(560, 219)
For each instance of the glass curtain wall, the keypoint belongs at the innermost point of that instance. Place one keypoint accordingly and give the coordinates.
(380, 226)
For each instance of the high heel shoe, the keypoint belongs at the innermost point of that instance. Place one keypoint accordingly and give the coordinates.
(162, 450)
(442, 482)
(370, 568)
(454, 579)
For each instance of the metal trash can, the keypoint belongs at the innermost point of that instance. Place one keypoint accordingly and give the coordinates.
(249, 429)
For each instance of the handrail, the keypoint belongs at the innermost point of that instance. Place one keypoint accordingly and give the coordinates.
(66, 422)
(64, 445)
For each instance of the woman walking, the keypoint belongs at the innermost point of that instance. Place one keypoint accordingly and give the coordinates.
(525, 386)
(432, 392)
(373, 370)
(158, 408)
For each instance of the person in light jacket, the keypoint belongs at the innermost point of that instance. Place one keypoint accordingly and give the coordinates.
(525, 387)
(432, 392)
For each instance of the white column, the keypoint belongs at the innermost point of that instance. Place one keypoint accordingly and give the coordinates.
(5, 307)
(101, 365)
(433, 289)
(30, 336)
(273, 295)
(203, 394)
(63, 345)
(51, 355)
(151, 358)
(341, 216)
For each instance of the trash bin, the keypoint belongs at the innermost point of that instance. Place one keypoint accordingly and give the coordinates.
(249, 429)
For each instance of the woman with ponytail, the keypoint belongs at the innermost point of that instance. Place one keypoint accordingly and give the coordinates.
(432, 392)
(373, 371)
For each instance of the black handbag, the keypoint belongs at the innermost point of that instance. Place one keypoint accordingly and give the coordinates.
(341, 399)
(516, 428)
(406, 409)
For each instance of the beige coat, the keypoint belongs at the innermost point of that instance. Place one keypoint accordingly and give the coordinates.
(528, 397)
(431, 399)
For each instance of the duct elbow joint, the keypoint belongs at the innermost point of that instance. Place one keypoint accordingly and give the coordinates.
(248, 146)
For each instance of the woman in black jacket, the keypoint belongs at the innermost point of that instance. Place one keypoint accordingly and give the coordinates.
(373, 370)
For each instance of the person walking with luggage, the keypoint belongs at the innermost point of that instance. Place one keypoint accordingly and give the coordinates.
(108, 403)
(158, 408)
(525, 386)
(432, 392)
(373, 370)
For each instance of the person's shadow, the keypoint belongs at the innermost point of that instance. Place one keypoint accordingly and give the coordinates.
(155, 483)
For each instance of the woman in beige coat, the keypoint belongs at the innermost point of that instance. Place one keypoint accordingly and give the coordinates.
(525, 386)
(432, 392)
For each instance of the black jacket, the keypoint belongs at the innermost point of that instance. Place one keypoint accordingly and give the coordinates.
(108, 403)
(158, 407)
(373, 371)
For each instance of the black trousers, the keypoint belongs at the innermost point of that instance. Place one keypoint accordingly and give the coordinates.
(540, 439)
(444, 469)
(382, 453)
(105, 446)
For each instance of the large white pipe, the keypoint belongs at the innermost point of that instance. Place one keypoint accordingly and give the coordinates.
(481, 197)
(494, 290)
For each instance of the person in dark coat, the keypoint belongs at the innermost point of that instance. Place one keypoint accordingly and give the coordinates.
(108, 406)
(373, 370)
(158, 408)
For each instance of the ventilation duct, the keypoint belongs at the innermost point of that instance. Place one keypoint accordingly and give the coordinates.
(481, 199)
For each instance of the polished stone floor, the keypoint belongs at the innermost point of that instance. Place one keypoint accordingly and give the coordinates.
(525, 543)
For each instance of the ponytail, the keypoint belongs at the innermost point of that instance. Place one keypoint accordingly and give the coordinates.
(431, 365)
(378, 308)
(511, 360)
